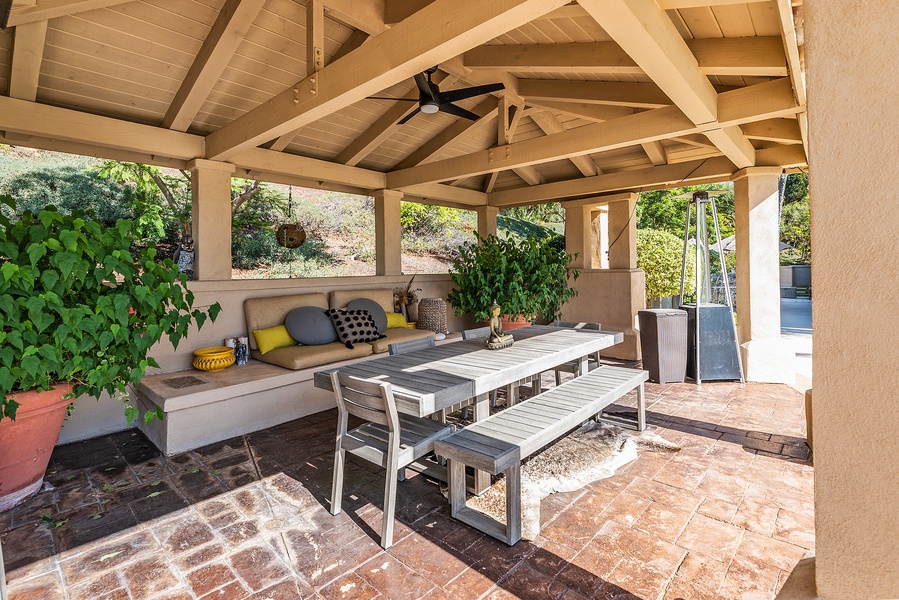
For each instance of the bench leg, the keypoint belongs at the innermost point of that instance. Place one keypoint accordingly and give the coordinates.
(456, 479)
(641, 408)
(513, 503)
(481, 412)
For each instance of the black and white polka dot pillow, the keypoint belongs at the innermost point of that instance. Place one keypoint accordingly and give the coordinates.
(354, 326)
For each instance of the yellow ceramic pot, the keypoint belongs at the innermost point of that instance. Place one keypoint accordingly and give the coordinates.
(214, 358)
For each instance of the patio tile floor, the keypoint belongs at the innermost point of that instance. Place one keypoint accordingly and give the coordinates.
(726, 517)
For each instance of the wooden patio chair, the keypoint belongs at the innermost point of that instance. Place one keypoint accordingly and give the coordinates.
(573, 366)
(388, 439)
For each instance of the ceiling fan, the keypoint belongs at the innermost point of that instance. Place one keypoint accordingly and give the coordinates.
(432, 100)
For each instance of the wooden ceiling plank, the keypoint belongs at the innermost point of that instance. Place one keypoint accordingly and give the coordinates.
(784, 131)
(614, 93)
(656, 153)
(619, 133)
(384, 127)
(424, 39)
(27, 56)
(226, 34)
(687, 173)
(647, 34)
(486, 110)
(367, 15)
(758, 56)
(550, 124)
(51, 9)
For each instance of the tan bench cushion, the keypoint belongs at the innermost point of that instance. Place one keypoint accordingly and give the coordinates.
(398, 335)
(304, 357)
(272, 310)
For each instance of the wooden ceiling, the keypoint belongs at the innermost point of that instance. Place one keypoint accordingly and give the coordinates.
(600, 95)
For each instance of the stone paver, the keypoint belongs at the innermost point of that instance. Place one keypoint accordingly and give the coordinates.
(726, 517)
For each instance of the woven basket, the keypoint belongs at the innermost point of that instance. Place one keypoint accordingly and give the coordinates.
(432, 315)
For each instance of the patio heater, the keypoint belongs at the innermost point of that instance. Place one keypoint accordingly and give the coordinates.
(713, 352)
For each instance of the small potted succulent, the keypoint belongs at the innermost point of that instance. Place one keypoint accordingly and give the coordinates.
(529, 278)
(78, 316)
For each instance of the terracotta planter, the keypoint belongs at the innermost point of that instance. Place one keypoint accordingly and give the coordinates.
(27, 442)
(515, 323)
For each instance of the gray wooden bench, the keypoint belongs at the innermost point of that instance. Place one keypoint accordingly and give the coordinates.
(500, 442)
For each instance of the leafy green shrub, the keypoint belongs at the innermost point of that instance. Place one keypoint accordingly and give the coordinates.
(526, 278)
(660, 256)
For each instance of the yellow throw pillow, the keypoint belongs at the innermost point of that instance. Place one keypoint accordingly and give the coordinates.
(396, 321)
(273, 338)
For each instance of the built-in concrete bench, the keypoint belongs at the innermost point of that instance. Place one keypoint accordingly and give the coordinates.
(500, 442)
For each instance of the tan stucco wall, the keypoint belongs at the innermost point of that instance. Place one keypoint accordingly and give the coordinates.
(854, 177)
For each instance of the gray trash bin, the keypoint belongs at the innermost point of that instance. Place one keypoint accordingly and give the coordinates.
(663, 338)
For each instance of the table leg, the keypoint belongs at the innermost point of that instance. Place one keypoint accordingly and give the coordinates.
(481, 412)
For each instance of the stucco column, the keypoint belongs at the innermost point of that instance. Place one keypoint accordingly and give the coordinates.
(855, 217)
(623, 233)
(487, 220)
(388, 232)
(766, 358)
(579, 235)
(600, 225)
(210, 184)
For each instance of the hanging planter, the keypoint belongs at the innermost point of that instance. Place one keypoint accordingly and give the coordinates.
(290, 235)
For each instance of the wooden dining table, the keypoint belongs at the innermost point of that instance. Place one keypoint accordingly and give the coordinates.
(427, 381)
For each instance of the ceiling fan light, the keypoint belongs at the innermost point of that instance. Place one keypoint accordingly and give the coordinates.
(429, 108)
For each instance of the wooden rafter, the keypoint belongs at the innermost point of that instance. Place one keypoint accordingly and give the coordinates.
(365, 15)
(743, 105)
(51, 9)
(582, 110)
(424, 39)
(656, 153)
(633, 95)
(687, 173)
(649, 37)
(550, 124)
(797, 75)
(27, 56)
(782, 131)
(224, 37)
(756, 56)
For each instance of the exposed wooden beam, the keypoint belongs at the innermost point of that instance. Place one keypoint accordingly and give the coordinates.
(315, 36)
(454, 66)
(86, 149)
(783, 131)
(50, 9)
(226, 34)
(397, 10)
(619, 133)
(550, 124)
(581, 110)
(27, 56)
(640, 95)
(356, 39)
(30, 118)
(656, 153)
(446, 193)
(788, 156)
(261, 160)
(508, 118)
(755, 56)
(367, 15)
(791, 46)
(384, 127)
(649, 37)
(771, 99)
(688, 173)
(424, 39)
(574, 10)
(486, 110)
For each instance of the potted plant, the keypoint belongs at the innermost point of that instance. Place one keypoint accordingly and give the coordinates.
(527, 278)
(78, 316)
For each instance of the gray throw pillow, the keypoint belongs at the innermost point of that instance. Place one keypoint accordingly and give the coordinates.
(309, 325)
(374, 309)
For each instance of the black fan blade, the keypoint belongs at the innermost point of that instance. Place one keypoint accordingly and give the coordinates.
(386, 98)
(424, 88)
(452, 109)
(409, 116)
(462, 94)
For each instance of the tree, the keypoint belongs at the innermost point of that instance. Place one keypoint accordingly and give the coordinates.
(660, 256)
(662, 210)
(795, 220)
